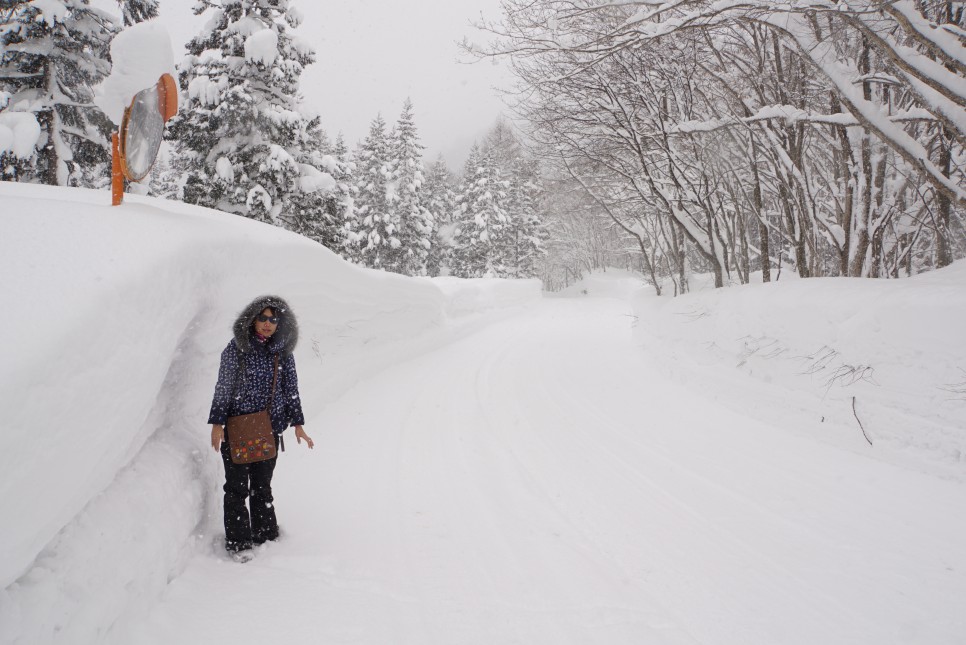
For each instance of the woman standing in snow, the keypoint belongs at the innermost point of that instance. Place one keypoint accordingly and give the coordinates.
(265, 331)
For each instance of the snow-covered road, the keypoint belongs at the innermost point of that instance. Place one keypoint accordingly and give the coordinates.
(539, 481)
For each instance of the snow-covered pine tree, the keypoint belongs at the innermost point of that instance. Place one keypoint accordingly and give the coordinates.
(522, 239)
(135, 11)
(415, 221)
(163, 181)
(340, 150)
(374, 235)
(51, 55)
(239, 134)
(440, 200)
(345, 176)
(317, 139)
(318, 210)
(503, 145)
(481, 217)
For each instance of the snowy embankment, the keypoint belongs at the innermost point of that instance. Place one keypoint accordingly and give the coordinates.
(828, 358)
(116, 318)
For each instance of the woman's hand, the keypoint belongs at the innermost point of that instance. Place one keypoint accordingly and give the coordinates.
(217, 436)
(300, 434)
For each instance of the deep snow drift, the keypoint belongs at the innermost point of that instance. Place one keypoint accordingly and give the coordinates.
(830, 357)
(490, 467)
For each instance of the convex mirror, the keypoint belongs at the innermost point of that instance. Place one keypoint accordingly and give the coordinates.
(142, 127)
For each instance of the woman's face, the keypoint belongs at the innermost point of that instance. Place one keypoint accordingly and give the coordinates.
(266, 323)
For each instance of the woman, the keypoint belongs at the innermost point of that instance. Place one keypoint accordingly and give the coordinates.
(266, 329)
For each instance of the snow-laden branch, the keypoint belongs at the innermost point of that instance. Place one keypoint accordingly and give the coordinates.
(822, 55)
(791, 115)
(938, 84)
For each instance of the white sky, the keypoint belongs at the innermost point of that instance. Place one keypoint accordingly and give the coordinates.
(372, 54)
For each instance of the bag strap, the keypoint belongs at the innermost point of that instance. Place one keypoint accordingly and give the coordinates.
(272, 396)
(274, 380)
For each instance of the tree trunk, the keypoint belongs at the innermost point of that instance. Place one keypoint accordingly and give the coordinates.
(762, 227)
(944, 254)
(48, 122)
(862, 241)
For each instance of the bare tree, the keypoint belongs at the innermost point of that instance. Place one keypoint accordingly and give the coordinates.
(741, 137)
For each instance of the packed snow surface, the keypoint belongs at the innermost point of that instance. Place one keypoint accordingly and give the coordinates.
(489, 467)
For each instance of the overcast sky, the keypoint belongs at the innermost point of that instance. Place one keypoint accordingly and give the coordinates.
(372, 54)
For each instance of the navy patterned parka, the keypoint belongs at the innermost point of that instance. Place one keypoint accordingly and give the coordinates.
(245, 375)
(244, 386)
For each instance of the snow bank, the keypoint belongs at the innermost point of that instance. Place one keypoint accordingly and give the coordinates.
(122, 314)
(822, 356)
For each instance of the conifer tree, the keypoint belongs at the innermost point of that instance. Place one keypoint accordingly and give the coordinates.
(345, 176)
(340, 150)
(317, 210)
(500, 230)
(440, 201)
(503, 145)
(374, 235)
(239, 135)
(415, 221)
(163, 181)
(522, 240)
(51, 55)
(135, 11)
(317, 138)
(481, 218)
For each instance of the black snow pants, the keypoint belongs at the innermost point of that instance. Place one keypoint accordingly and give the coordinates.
(242, 481)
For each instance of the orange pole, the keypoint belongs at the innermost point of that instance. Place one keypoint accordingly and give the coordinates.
(117, 177)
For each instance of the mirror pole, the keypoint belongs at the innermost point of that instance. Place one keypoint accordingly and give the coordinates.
(117, 177)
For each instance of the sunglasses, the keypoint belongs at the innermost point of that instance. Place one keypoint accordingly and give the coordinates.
(264, 318)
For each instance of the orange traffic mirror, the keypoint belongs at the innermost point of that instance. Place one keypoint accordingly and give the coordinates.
(136, 146)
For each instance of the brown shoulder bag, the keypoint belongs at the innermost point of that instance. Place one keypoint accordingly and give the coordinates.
(250, 437)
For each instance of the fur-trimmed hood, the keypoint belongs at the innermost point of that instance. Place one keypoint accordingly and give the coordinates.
(285, 338)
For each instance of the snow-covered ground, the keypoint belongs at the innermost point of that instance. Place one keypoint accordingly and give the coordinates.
(829, 357)
(490, 467)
